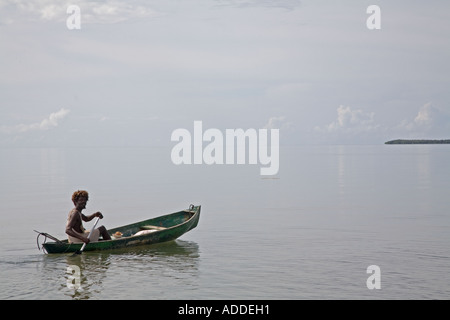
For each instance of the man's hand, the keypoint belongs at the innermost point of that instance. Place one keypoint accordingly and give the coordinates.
(99, 214)
(86, 240)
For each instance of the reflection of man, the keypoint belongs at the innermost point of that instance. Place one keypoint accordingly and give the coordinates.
(74, 227)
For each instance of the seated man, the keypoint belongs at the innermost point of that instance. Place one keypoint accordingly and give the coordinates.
(74, 227)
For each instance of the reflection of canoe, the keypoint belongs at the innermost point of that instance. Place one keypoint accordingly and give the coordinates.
(156, 230)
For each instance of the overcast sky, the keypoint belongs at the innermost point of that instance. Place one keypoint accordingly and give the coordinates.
(137, 70)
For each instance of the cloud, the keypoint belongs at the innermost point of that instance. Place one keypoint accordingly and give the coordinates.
(423, 119)
(286, 4)
(349, 120)
(110, 11)
(359, 126)
(278, 123)
(51, 121)
(429, 120)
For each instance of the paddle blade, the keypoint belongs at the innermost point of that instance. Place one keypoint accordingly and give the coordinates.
(79, 251)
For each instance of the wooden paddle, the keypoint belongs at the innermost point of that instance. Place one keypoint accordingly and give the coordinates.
(89, 237)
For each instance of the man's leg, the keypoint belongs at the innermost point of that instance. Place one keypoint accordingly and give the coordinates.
(104, 233)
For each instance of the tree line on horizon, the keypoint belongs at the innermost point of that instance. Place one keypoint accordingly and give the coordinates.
(416, 141)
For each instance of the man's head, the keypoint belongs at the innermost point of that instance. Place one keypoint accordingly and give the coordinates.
(79, 198)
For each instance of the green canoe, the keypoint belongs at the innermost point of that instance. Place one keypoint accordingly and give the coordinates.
(160, 229)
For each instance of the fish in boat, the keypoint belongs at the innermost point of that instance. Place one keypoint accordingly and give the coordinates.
(155, 230)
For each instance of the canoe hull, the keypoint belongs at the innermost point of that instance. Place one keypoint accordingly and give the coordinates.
(172, 226)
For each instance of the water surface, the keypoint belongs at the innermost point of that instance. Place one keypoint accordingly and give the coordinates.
(308, 233)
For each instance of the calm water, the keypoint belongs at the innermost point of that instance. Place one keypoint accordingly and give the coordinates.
(309, 233)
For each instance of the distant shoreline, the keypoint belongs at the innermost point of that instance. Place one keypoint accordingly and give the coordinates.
(413, 141)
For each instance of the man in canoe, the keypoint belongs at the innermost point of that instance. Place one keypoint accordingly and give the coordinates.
(74, 227)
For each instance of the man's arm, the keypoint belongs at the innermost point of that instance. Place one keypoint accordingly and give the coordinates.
(92, 216)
